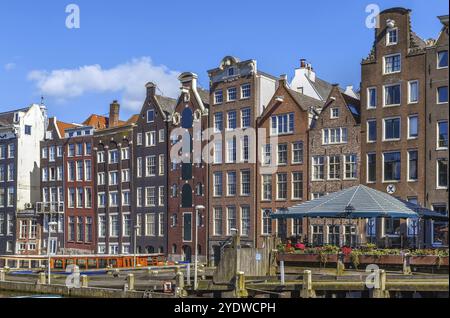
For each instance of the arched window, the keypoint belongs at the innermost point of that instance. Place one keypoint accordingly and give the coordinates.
(161, 250)
(186, 118)
(186, 197)
(174, 220)
(186, 171)
(150, 249)
(174, 248)
(174, 190)
(199, 189)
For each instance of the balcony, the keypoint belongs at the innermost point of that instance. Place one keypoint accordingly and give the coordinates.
(50, 207)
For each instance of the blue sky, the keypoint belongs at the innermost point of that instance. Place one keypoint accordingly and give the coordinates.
(121, 45)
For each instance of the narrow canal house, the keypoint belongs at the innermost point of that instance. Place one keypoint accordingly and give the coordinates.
(50, 207)
(334, 161)
(188, 177)
(113, 153)
(393, 119)
(21, 132)
(239, 92)
(287, 117)
(79, 183)
(437, 112)
(150, 175)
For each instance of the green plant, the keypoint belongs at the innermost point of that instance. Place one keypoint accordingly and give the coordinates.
(354, 256)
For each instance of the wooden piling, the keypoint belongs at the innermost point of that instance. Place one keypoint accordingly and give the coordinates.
(2, 275)
(307, 288)
(84, 281)
(130, 281)
(240, 290)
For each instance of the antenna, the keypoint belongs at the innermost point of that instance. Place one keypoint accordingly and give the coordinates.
(42, 100)
(162, 93)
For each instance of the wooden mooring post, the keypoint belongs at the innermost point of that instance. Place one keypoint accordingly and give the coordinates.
(84, 281)
(307, 288)
(41, 279)
(380, 285)
(2, 275)
(240, 290)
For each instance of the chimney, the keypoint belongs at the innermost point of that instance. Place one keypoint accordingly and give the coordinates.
(151, 89)
(303, 63)
(189, 80)
(283, 80)
(350, 91)
(114, 114)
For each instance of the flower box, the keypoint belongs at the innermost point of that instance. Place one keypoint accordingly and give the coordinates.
(429, 261)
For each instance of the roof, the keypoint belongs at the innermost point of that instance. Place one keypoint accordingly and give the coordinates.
(305, 101)
(7, 118)
(204, 95)
(424, 212)
(96, 121)
(355, 202)
(62, 126)
(166, 104)
(323, 88)
(267, 75)
(354, 106)
(133, 119)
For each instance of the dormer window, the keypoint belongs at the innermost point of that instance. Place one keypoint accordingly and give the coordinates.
(231, 71)
(334, 113)
(392, 36)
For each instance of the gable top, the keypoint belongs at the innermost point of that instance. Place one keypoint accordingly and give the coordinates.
(352, 104)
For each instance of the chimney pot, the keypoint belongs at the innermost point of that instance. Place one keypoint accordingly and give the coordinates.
(303, 63)
(151, 89)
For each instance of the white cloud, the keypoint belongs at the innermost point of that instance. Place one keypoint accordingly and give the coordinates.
(10, 66)
(129, 79)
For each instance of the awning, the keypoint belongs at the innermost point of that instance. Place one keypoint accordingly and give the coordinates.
(353, 203)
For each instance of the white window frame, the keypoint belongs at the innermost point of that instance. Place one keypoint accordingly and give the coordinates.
(332, 109)
(382, 167)
(409, 92)
(409, 126)
(368, 134)
(368, 97)
(388, 42)
(407, 165)
(384, 63)
(437, 60)
(384, 95)
(437, 96)
(384, 129)
(437, 135)
(437, 176)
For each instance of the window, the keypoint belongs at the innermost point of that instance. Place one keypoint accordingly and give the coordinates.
(231, 71)
(245, 117)
(125, 175)
(245, 220)
(126, 225)
(218, 184)
(71, 229)
(413, 127)
(391, 226)
(161, 225)
(71, 198)
(371, 228)
(44, 153)
(334, 167)
(28, 130)
(266, 222)
(218, 97)
(335, 136)
(218, 122)
(442, 173)
(150, 139)
(282, 186)
(79, 170)
(126, 199)
(59, 173)
(245, 91)
(318, 168)
(334, 113)
(267, 154)
(139, 167)
(100, 157)
(392, 166)
(232, 124)
(334, 235)
(392, 36)
(139, 225)
(391, 129)
(113, 156)
(218, 152)
(413, 157)
(150, 164)
(113, 199)
(442, 135)
(317, 235)
(87, 149)
(266, 187)
(125, 153)
(245, 183)
(2, 201)
(392, 95)
(114, 225)
(282, 154)
(297, 185)
(79, 149)
(371, 130)
(372, 97)
(245, 142)
(88, 198)
(442, 95)
(218, 221)
(282, 124)
(150, 196)
(161, 196)
(139, 197)
(231, 150)
(11, 172)
(113, 178)
(442, 59)
(392, 64)
(139, 139)
(2, 173)
(231, 183)
(199, 189)
(297, 153)
(187, 227)
(351, 166)
(413, 227)
(2, 151)
(88, 229)
(232, 95)
(413, 92)
(162, 135)
(11, 151)
(231, 220)
(101, 197)
(80, 233)
(150, 115)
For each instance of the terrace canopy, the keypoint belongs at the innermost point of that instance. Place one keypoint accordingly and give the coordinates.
(354, 203)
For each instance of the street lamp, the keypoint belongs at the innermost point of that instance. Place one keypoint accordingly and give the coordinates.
(50, 227)
(136, 228)
(197, 209)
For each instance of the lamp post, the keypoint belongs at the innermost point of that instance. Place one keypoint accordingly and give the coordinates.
(197, 209)
(136, 228)
(50, 227)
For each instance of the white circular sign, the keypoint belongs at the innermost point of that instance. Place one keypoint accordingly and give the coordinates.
(391, 189)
